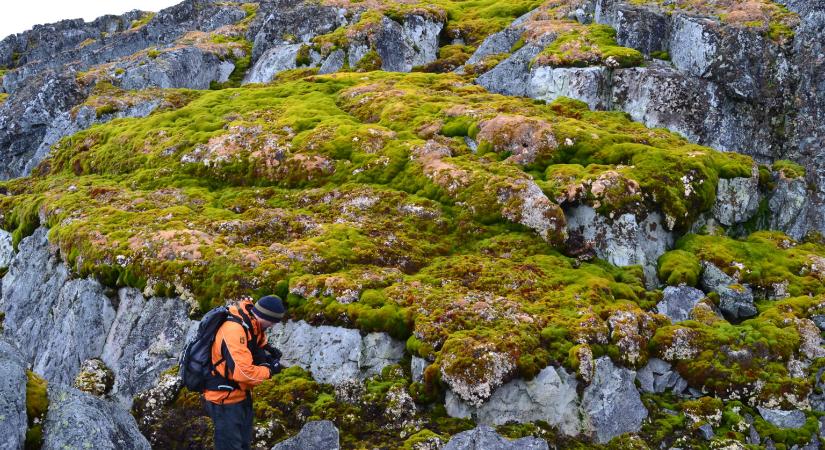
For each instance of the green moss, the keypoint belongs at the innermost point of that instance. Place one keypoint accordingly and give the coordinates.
(303, 58)
(371, 61)
(143, 20)
(789, 169)
(153, 53)
(37, 404)
(660, 54)
(588, 45)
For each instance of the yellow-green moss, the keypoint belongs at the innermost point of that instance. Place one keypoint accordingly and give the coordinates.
(37, 404)
(586, 46)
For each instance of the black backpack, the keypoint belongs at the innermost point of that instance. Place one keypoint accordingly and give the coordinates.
(196, 367)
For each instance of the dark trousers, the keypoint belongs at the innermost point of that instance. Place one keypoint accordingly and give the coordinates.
(233, 424)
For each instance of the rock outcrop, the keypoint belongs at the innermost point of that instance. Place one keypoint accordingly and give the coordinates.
(319, 435)
(334, 355)
(611, 401)
(62, 322)
(80, 420)
(12, 397)
(550, 396)
(486, 438)
(624, 240)
(678, 301)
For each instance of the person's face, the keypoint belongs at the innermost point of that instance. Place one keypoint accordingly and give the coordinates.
(264, 323)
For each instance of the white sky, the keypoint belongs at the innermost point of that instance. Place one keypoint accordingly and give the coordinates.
(21, 15)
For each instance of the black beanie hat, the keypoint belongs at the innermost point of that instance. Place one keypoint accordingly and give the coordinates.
(270, 307)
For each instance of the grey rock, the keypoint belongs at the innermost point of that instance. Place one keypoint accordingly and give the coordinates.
(291, 22)
(789, 206)
(6, 249)
(737, 199)
(782, 418)
(678, 302)
(660, 96)
(145, 339)
(736, 302)
(658, 376)
(486, 438)
(753, 436)
(80, 420)
(417, 366)
(69, 123)
(817, 396)
(404, 46)
(611, 401)
(333, 63)
(643, 28)
(511, 76)
(26, 115)
(188, 67)
(273, 61)
(623, 241)
(335, 355)
(589, 84)
(66, 325)
(692, 45)
(12, 397)
(706, 431)
(318, 435)
(496, 43)
(551, 397)
(713, 277)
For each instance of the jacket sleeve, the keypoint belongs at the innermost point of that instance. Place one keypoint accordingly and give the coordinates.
(238, 358)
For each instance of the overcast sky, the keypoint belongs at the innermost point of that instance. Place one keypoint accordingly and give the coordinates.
(21, 15)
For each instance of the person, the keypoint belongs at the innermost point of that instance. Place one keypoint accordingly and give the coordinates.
(242, 359)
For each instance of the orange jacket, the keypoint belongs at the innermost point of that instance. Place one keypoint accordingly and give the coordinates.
(233, 360)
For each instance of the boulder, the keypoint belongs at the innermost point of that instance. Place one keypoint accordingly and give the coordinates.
(737, 199)
(637, 26)
(623, 241)
(80, 420)
(12, 397)
(736, 302)
(658, 376)
(511, 76)
(713, 277)
(333, 354)
(145, 339)
(588, 84)
(318, 435)
(611, 401)
(782, 418)
(496, 43)
(486, 438)
(550, 396)
(333, 63)
(678, 301)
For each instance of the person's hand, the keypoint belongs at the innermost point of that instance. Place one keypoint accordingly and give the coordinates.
(273, 366)
(273, 352)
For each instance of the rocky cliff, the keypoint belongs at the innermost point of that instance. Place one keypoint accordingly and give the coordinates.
(524, 224)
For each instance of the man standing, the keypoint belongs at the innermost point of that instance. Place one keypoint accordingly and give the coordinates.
(241, 361)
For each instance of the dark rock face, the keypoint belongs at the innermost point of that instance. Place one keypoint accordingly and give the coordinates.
(26, 116)
(291, 21)
(79, 310)
(188, 67)
(80, 420)
(12, 397)
(319, 435)
(61, 322)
